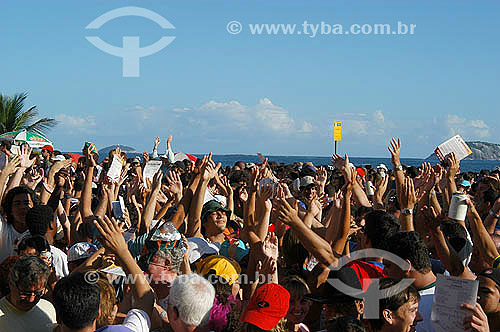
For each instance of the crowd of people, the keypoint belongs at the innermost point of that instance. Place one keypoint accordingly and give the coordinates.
(249, 247)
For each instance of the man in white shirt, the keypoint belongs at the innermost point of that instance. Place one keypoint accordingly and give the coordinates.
(410, 247)
(24, 309)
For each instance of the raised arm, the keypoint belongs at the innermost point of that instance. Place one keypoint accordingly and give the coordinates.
(480, 237)
(395, 150)
(358, 193)
(10, 168)
(24, 163)
(154, 154)
(208, 169)
(149, 210)
(86, 198)
(408, 199)
(112, 239)
(314, 243)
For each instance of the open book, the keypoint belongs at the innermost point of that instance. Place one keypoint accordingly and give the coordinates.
(455, 144)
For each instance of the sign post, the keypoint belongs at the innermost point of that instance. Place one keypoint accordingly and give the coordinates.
(337, 133)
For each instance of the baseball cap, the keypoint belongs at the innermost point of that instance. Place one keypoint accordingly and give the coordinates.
(267, 306)
(347, 277)
(360, 171)
(212, 206)
(306, 181)
(224, 267)
(47, 147)
(493, 274)
(464, 183)
(81, 250)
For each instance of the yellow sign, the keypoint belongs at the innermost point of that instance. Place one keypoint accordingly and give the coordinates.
(337, 131)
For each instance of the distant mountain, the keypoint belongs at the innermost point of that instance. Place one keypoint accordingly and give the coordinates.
(480, 151)
(126, 149)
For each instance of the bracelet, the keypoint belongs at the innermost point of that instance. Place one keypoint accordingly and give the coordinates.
(492, 213)
(496, 262)
(46, 186)
(163, 314)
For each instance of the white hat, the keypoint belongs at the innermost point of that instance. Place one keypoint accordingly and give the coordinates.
(306, 181)
(59, 157)
(199, 247)
(382, 166)
(81, 250)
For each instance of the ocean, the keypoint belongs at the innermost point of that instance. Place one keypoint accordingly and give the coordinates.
(465, 165)
(230, 159)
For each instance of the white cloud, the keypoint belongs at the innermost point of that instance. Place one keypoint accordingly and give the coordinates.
(469, 129)
(71, 123)
(306, 128)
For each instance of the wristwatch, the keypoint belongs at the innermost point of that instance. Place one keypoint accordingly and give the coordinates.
(407, 211)
(399, 168)
(494, 214)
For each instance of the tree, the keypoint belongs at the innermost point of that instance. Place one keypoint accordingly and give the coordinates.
(12, 116)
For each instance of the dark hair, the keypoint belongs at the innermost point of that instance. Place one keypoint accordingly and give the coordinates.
(76, 301)
(9, 197)
(29, 271)
(346, 324)
(409, 245)
(379, 227)
(38, 219)
(393, 300)
(456, 234)
(37, 242)
(490, 196)
(7, 144)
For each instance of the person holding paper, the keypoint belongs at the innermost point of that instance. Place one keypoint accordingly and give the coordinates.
(398, 312)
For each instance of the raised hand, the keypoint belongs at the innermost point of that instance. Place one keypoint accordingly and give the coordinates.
(89, 157)
(210, 169)
(58, 165)
(395, 150)
(157, 141)
(111, 234)
(24, 156)
(157, 180)
(145, 157)
(265, 194)
(32, 178)
(408, 197)
(243, 194)
(380, 188)
(322, 176)
(432, 220)
(11, 166)
(174, 183)
(169, 139)
(454, 165)
(285, 213)
(338, 161)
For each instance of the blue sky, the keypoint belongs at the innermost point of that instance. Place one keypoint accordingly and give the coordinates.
(244, 93)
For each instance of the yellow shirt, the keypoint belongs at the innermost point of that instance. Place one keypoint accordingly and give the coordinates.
(41, 317)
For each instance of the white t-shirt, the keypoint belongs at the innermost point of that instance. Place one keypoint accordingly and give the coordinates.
(60, 262)
(425, 309)
(137, 320)
(41, 317)
(8, 239)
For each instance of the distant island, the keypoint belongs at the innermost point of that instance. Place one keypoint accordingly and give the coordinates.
(480, 151)
(126, 149)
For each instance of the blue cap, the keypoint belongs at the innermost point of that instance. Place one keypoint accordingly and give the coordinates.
(464, 183)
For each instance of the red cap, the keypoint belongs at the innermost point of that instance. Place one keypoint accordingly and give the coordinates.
(48, 147)
(267, 306)
(360, 171)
